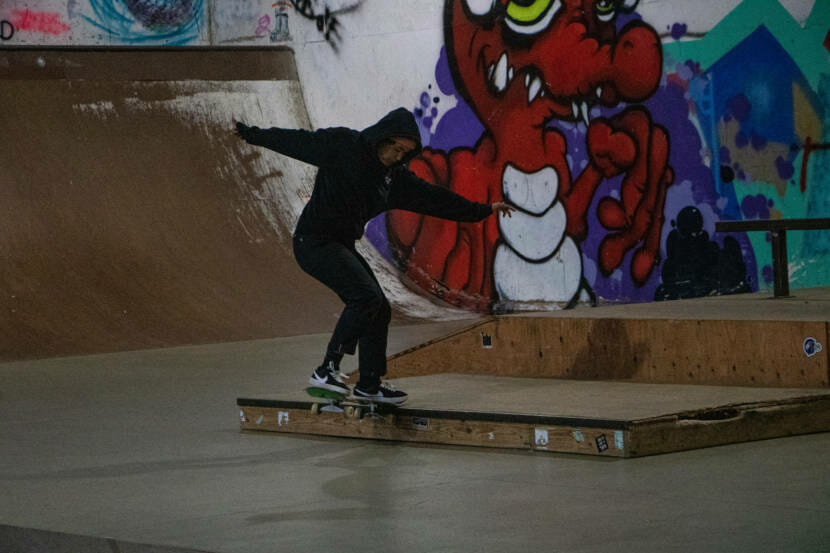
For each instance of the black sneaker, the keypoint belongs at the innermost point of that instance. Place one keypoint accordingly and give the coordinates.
(382, 393)
(329, 377)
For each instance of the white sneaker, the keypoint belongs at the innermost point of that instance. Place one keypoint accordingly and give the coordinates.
(329, 378)
(384, 393)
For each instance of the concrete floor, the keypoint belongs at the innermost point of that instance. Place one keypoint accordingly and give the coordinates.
(145, 447)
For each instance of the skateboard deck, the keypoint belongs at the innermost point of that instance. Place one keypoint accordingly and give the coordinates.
(328, 401)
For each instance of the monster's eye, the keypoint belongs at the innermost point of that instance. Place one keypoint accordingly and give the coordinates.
(531, 16)
(606, 10)
(480, 7)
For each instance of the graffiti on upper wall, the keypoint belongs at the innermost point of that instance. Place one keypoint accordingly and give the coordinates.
(6, 29)
(573, 111)
(164, 22)
(170, 22)
(324, 13)
(48, 23)
(280, 31)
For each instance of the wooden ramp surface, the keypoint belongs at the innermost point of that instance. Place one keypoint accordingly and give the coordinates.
(740, 340)
(616, 419)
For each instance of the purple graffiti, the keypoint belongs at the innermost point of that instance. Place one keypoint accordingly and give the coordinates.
(263, 25)
(160, 15)
(739, 107)
(426, 112)
(758, 142)
(678, 30)
(755, 207)
(785, 168)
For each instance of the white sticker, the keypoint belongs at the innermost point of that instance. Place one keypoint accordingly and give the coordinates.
(420, 423)
(242, 416)
(259, 419)
(578, 436)
(811, 347)
(492, 436)
(282, 417)
(541, 438)
(618, 439)
(486, 341)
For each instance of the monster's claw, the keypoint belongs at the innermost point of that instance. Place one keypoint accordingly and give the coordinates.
(611, 214)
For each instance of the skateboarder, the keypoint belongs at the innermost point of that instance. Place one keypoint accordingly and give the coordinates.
(361, 174)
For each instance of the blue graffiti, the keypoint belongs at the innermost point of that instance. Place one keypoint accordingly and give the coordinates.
(169, 22)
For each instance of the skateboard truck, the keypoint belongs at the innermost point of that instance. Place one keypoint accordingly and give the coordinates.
(335, 402)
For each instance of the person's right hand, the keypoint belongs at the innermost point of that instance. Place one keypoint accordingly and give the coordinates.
(502, 208)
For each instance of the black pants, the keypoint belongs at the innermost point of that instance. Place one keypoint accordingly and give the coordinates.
(364, 322)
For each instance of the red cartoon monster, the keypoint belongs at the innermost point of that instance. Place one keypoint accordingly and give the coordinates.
(520, 64)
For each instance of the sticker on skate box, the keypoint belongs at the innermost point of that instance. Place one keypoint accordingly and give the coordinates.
(812, 347)
(602, 443)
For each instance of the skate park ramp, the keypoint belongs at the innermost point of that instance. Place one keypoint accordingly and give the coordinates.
(132, 217)
(616, 381)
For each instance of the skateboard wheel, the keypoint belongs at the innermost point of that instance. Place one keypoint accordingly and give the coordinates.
(356, 413)
(350, 412)
(315, 408)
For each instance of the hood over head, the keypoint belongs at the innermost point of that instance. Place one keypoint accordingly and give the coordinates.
(398, 122)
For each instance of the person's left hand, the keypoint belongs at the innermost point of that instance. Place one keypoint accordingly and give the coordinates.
(242, 130)
(502, 208)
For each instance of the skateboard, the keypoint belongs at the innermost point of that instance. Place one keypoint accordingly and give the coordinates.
(351, 407)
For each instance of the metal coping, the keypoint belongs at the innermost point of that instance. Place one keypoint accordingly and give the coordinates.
(539, 420)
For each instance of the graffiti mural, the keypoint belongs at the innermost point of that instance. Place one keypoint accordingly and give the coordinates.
(532, 76)
(599, 131)
(755, 96)
(48, 23)
(280, 31)
(170, 22)
(695, 266)
(324, 14)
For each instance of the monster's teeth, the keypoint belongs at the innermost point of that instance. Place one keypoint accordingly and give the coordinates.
(500, 74)
(527, 79)
(599, 92)
(585, 114)
(533, 89)
(575, 110)
(490, 71)
(510, 74)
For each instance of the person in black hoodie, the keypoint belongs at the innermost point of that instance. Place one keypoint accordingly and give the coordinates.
(361, 174)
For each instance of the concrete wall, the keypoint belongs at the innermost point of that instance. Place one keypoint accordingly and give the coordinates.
(703, 114)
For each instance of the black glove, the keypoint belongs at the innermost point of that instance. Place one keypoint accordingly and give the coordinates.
(244, 131)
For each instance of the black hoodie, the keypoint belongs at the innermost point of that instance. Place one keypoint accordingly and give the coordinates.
(352, 185)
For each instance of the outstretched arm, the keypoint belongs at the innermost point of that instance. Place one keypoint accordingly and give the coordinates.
(320, 147)
(415, 194)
